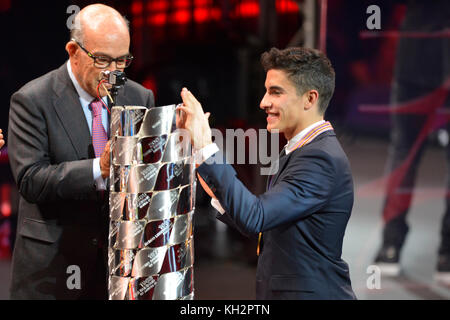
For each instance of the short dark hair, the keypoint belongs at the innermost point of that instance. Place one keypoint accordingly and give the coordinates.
(307, 68)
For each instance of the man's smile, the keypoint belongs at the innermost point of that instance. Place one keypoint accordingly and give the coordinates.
(272, 116)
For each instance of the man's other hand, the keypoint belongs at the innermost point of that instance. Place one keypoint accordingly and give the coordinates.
(104, 160)
(2, 142)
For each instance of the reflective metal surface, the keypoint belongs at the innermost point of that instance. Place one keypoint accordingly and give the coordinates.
(157, 205)
(141, 233)
(178, 285)
(151, 261)
(127, 121)
(158, 121)
(142, 178)
(152, 192)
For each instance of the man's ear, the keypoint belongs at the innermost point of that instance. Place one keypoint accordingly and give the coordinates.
(312, 97)
(71, 48)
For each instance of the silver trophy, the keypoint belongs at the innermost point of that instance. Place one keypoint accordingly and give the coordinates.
(152, 192)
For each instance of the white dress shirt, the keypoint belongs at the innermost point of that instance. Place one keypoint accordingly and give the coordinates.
(299, 136)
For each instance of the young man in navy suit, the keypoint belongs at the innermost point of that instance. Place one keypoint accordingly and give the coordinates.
(304, 212)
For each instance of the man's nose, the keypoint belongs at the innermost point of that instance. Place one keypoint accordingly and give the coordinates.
(265, 103)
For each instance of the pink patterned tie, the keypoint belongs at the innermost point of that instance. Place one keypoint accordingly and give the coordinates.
(99, 137)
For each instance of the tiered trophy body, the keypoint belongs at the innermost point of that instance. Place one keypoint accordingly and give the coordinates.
(152, 192)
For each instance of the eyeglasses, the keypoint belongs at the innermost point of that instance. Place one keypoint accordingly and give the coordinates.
(102, 62)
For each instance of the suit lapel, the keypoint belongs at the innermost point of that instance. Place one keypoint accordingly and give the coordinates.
(284, 159)
(68, 108)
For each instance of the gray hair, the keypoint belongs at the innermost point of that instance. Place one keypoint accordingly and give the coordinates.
(75, 32)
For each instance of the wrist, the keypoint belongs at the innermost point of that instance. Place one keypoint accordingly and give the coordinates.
(105, 175)
(205, 143)
(206, 139)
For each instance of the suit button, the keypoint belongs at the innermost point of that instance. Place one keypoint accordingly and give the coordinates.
(95, 241)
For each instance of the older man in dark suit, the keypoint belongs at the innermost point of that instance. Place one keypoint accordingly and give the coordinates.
(304, 212)
(58, 129)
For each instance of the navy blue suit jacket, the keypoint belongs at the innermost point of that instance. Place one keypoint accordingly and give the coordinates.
(303, 216)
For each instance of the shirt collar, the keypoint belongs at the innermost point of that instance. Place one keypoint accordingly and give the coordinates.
(291, 143)
(81, 92)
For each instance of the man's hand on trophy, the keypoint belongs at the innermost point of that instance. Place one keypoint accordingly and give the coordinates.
(104, 160)
(195, 120)
(2, 142)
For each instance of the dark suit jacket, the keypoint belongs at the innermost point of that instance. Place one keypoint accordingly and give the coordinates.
(63, 220)
(303, 217)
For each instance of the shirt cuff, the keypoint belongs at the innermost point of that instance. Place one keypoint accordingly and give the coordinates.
(216, 205)
(100, 183)
(205, 153)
